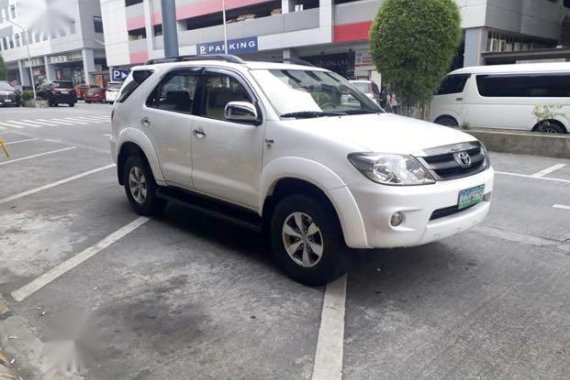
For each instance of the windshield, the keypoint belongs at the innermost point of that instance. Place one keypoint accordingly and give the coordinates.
(63, 84)
(312, 93)
(362, 86)
(5, 86)
(113, 86)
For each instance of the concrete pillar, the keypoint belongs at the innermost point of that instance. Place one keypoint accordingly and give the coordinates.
(326, 17)
(475, 44)
(288, 54)
(50, 69)
(286, 6)
(88, 65)
(24, 73)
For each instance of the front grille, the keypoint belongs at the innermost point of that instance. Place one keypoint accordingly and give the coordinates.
(444, 165)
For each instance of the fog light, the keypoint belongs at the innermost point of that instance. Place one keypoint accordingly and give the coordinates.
(397, 219)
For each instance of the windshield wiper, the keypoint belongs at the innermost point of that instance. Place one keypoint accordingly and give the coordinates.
(359, 112)
(309, 114)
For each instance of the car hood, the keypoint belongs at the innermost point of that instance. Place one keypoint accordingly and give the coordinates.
(383, 133)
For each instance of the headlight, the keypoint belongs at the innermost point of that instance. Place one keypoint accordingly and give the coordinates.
(391, 169)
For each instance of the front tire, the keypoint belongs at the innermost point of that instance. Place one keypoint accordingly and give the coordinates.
(307, 241)
(447, 121)
(141, 188)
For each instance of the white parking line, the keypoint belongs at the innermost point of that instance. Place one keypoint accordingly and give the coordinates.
(39, 123)
(56, 122)
(562, 207)
(23, 124)
(11, 125)
(53, 274)
(330, 343)
(549, 170)
(20, 141)
(36, 155)
(529, 176)
(53, 184)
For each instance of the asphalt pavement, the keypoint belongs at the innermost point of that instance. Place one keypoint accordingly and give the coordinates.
(186, 296)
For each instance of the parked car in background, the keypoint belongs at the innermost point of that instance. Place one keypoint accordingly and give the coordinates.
(505, 96)
(112, 91)
(369, 88)
(276, 147)
(9, 96)
(82, 89)
(58, 92)
(95, 95)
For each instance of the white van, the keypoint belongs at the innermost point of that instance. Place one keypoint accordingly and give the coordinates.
(505, 97)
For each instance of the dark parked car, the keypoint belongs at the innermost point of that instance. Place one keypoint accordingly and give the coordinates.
(9, 96)
(57, 92)
(95, 95)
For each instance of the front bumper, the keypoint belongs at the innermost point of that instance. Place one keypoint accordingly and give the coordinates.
(377, 203)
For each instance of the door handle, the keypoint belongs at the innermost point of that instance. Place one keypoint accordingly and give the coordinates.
(199, 133)
(459, 99)
(145, 122)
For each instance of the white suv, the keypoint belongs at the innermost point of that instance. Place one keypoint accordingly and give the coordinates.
(295, 151)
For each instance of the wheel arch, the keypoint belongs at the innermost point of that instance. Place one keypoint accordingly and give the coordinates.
(555, 121)
(302, 176)
(133, 141)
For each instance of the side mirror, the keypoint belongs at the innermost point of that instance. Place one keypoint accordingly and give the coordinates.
(240, 111)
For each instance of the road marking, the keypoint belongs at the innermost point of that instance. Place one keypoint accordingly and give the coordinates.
(60, 121)
(72, 119)
(91, 119)
(20, 141)
(522, 239)
(549, 170)
(562, 207)
(53, 184)
(22, 123)
(529, 176)
(107, 135)
(53, 274)
(10, 125)
(36, 155)
(40, 123)
(330, 343)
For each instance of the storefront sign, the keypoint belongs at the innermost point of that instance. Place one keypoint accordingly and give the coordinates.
(363, 58)
(35, 62)
(240, 45)
(70, 57)
(340, 63)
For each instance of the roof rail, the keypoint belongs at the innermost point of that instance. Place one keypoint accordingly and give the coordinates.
(298, 61)
(184, 58)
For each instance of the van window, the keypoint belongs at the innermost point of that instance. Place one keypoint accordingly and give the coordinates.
(453, 84)
(554, 85)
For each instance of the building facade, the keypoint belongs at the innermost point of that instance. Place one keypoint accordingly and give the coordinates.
(64, 39)
(329, 33)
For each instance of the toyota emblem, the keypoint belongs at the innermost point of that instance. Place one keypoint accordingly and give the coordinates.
(463, 159)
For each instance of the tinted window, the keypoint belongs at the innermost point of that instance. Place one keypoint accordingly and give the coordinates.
(175, 93)
(138, 77)
(525, 85)
(219, 90)
(453, 84)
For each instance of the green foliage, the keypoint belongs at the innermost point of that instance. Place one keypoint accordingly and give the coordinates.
(413, 43)
(3, 69)
(27, 95)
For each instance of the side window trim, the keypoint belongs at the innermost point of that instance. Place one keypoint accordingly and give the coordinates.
(210, 71)
(197, 71)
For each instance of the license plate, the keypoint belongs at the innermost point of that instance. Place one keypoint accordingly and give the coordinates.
(470, 197)
(7, 100)
(64, 92)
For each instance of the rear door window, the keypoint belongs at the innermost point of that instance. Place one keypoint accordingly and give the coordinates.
(176, 93)
(548, 85)
(453, 84)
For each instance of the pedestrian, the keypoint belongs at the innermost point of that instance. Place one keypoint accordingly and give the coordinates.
(384, 97)
(394, 105)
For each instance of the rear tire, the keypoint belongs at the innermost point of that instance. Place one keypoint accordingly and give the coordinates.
(447, 121)
(307, 241)
(72, 104)
(141, 188)
(550, 127)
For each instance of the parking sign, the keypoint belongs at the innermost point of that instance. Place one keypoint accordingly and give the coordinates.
(119, 75)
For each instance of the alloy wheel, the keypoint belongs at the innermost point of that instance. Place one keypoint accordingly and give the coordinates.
(302, 239)
(137, 184)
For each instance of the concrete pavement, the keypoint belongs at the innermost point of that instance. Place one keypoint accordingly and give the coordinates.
(187, 296)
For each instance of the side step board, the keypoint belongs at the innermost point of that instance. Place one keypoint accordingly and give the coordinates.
(214, 208)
